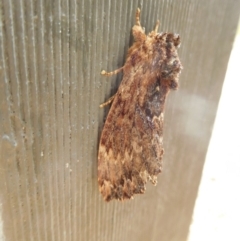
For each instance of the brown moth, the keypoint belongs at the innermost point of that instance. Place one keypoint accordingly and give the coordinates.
(131, 144)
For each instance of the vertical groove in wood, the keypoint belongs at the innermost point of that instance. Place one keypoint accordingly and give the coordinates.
(51, 56)
(13, 100)
(7, 134)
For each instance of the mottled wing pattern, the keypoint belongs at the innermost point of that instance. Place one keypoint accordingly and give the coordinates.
(131, 149)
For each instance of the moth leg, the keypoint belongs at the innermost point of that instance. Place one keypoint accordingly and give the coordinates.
(108, 101)
(103, 72)
(156, 26)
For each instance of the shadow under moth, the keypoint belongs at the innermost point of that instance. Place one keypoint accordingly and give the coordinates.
(131, 144)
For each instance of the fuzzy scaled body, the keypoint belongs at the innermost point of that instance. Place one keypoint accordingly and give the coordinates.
(131, 144)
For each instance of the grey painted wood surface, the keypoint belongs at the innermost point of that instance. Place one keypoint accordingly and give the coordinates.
(51, 55)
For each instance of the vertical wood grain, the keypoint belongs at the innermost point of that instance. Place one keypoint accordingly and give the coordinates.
(51, 56)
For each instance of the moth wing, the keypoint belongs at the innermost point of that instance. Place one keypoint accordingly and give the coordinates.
(130, 151)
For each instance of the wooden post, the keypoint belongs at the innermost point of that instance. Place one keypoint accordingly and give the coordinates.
(51, 56)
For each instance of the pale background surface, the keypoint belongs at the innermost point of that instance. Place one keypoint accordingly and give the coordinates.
(51, 55)
(217, 211)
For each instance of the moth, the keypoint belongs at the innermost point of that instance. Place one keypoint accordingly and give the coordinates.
(131, 144)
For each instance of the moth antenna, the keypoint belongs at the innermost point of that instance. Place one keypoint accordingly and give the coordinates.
(138, 17)
(156, 26)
